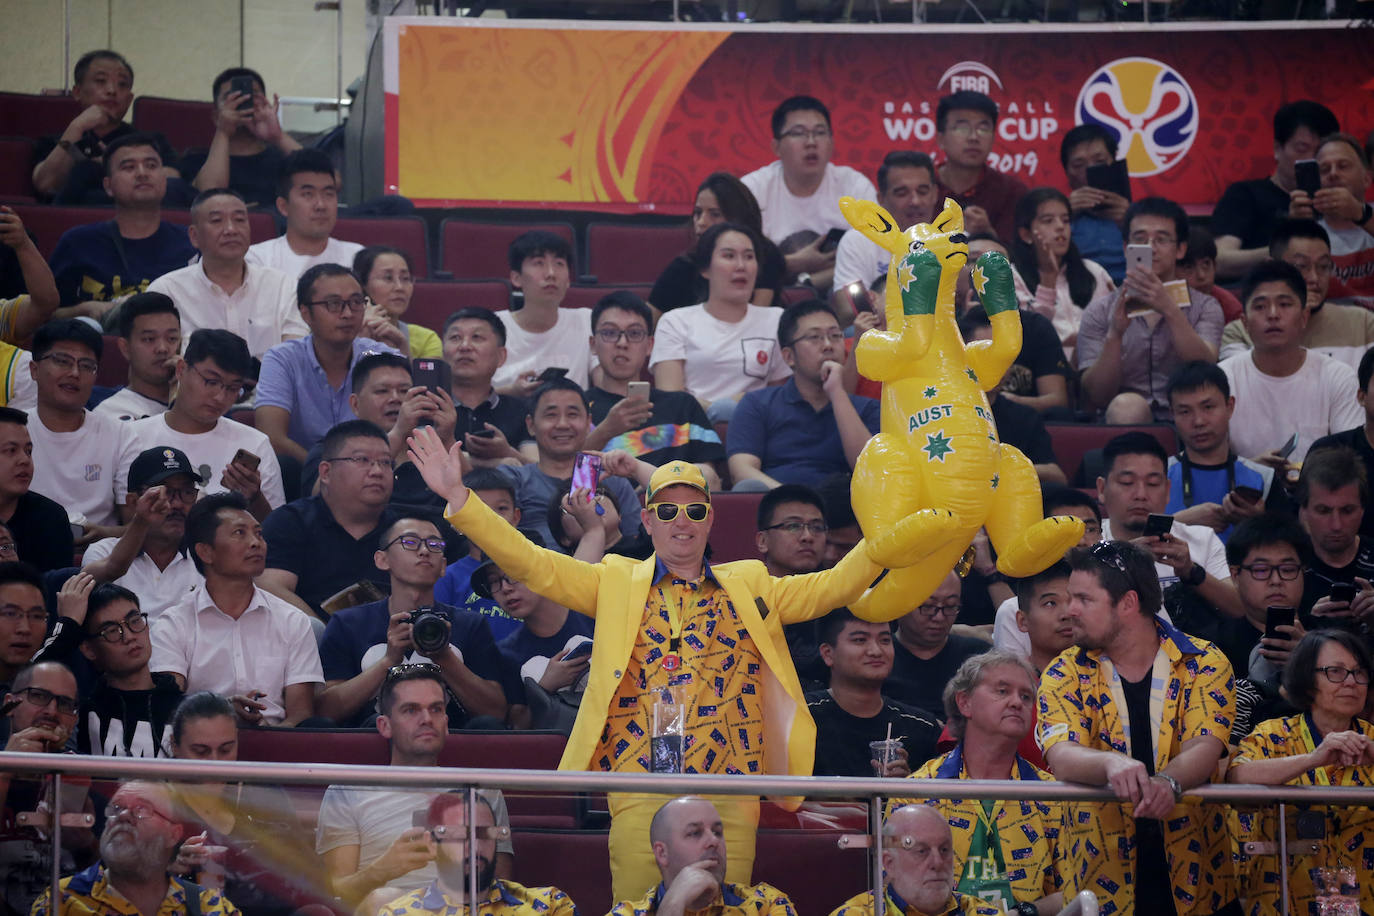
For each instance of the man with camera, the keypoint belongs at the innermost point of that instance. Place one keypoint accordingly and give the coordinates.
(362, 643)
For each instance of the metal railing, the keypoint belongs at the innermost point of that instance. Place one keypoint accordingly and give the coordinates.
(872, 790)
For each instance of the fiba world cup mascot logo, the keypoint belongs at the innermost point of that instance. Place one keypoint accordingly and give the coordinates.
(1148, 105)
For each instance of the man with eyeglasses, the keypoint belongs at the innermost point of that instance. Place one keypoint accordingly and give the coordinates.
(1266, 554)
(665, 426)
(214, 374)
(23, 617)
(715, 630)
(362, 643)
(791, 536)
(42, 535)
(800, 190)
(926, 654)
(222, 290)
(965, 127)
(1131, 340)
(142, 832)
(77, 453)
(1145, 710)
(304, 386)
(809, 427)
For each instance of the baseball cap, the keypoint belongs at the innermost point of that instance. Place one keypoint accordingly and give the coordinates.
(478, 581)
(154, 465)
(676, 473)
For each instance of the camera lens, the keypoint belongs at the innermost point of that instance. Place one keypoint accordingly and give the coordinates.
(430, 630)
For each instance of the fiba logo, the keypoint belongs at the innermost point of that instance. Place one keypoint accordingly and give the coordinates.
(970, 75)
(1148, 105)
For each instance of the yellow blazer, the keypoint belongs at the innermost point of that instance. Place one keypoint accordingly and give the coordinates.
(615, 591)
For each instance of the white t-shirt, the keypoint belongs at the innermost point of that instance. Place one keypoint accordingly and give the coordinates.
(262, 310)
(277, 254)
(1204, 547)
(857, 258)
(127, 404)
(565, 345)
(723, 358)
(157, 589)
(79, 469)
(210, 452)
(23, 389)
(1315, 401)
(784, 213)
(270, 647)
(1005, 632)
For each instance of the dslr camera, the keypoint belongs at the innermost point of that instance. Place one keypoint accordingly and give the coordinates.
(429, 629)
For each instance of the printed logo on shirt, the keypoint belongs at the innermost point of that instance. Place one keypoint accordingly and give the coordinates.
(93, 472)
(1148, 105)
(758, 351)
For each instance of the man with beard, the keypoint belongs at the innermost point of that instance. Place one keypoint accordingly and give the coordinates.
(448, 840)
(131, 876)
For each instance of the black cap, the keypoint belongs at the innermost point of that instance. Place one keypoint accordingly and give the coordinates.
(154, 465)
(479, 575)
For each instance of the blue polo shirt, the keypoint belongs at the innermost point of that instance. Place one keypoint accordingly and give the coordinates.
(794, 442)
(293, 379)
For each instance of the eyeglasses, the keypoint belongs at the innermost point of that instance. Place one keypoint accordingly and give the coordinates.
(1155, 241)
(412, 542)
(1263, 572)
(67, 363)
(794, 527)
(12, 615)
(114, 630)
(613, 335)
(9, 549)
(1337, 674)
(666, 512)
(385, 464)
(934, 610)
(801, 133)
(497, 581)
(335, 304)
(37, 696)
(216, 386)
(185, 494)
(1109, 552)
(965, 129)
(815, 337)
(114, 811)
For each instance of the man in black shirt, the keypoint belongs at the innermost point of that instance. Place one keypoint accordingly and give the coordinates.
(1361, 438)
(39, 525)
(249, 145)
(926, 654)
(853, 712)
(490, 425)
(1331, 496)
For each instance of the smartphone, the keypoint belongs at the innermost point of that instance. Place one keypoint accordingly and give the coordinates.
(1114, 177)
(483, 433)
(552, 373)
(1309, 177)
(1139, 256)
(580, 650)
(639, 390)
(858, 297)
(1158, 526)
(245, 85)
(1343, 591)
(1287, 448)
(246, 458)
(832, 238)
(433, 374)
(1250, 495)
(1276, 616)
(586, 471)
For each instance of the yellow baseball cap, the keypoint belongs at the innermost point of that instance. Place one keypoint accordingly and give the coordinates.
(676, 473)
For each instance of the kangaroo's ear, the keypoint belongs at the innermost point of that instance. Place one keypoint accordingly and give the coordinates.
(875, 223)
(950, 219)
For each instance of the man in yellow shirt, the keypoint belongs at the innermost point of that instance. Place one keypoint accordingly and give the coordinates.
(673, 634)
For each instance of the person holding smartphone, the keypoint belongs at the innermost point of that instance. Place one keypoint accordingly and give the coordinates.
(1266, 558)
(1344, 213)
(249, 145)
(1331, 495)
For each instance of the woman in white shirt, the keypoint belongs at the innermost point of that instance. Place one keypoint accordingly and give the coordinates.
(725, 347)
(1043, 253)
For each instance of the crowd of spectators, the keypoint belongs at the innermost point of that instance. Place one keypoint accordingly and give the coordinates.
(242, 537)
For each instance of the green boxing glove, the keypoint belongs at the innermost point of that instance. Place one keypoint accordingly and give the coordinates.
(918, 279)
(992, 280)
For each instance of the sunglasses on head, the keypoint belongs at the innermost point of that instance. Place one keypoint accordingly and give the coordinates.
(666, 512)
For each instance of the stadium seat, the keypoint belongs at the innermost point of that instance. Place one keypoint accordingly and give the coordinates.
(791, 295)
(472, 250)
(810, 868)
(585, 297)
(36, 116)
(48, 223)
(577, 862)
(1072, 441)
(184, 123)
(404, 232)
(632, 252)
(434, 300)
(732, 532)
(114, 367)
(16, 168)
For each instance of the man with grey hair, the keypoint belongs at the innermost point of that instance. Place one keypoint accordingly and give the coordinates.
(140, 837)
(918, 867)
(1004, 851)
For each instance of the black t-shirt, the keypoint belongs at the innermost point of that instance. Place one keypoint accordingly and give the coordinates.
(681, 283)
(1319, 577)
(1153, 886)
(86, 181)
(1041, 354)
(842, 739)
(1236, 637)
(304, 538)
(41, 532)
(254, 177)
(920, 682)
(1021, 427)
(507, 413)
(677, 429)
(1356, 439)
(96, 262)
(1249, 210)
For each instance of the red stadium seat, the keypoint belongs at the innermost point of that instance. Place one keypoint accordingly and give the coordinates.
(810, 868)
(114, 367)
(732, 532)
(478, 250)
(184, 123)
(791, 295)
(404, 232)
(585, 297)
(35, 116)
(16, 168)
(1072, 441)
(48, 223)
(577, 862)
(435, 300)
(632, 252)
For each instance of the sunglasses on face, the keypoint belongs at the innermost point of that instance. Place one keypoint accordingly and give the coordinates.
(666, 512)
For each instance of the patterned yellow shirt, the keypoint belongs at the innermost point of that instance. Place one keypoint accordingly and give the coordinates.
(88, 893)
(1349, 830)
(1198, 697)
(719, 671)
(959, 905)
(503, 898)
(1028, 831)
(734, 900)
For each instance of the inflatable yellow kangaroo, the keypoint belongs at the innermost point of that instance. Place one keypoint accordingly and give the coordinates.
(936, 472)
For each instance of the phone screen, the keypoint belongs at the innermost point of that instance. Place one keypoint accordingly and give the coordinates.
(586, 471)
(1158, 525)
(1275, 617)
(858, 297)
(1307, 175)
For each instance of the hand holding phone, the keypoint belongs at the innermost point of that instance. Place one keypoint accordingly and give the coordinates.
(247, 459)
(586, 475)
(1287, 448)
(552, 373)
(1158, 526)
(1307, 176)
(1276, 616)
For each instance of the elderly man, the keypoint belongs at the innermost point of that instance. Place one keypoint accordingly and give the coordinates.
(138, 844)
(688, 841)
(714, 632)
(918, 866)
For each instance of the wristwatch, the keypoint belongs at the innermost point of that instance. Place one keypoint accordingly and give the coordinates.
(1196, 576)
(1173, 784)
